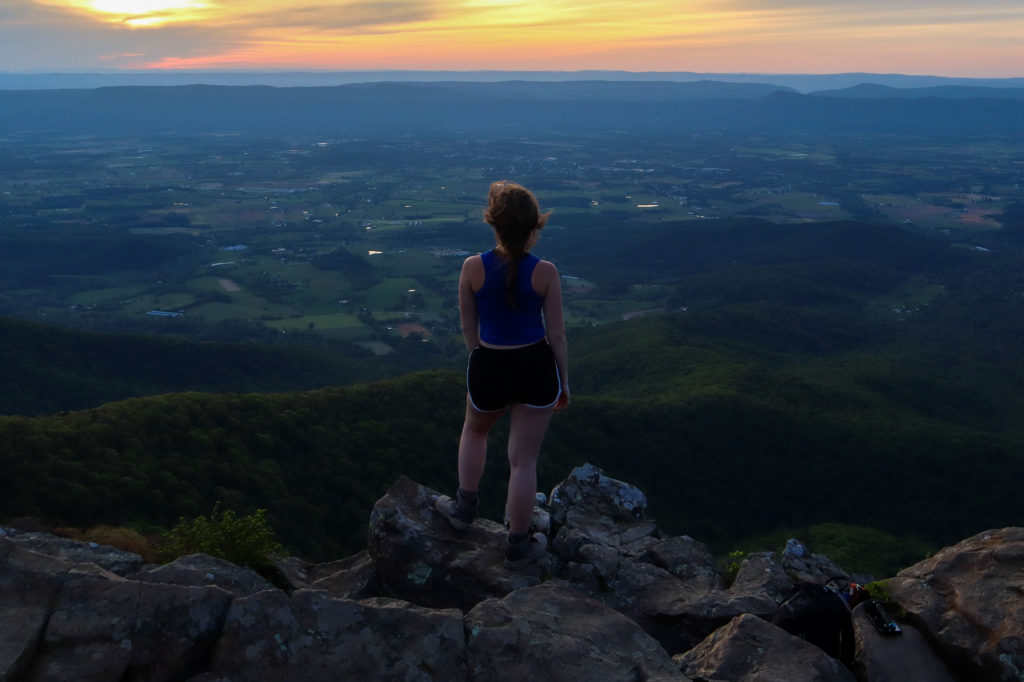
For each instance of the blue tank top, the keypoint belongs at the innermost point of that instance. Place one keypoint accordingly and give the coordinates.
(501, 325)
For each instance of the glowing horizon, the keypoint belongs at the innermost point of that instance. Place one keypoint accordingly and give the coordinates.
(941, 37)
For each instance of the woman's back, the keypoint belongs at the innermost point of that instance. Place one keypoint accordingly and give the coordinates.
(501, 324)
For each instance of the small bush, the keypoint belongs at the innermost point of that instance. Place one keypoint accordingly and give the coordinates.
(731, 565)
(242, 540)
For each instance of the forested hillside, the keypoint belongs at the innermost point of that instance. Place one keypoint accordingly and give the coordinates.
(875, 382)
(48, 369)
(727, 446)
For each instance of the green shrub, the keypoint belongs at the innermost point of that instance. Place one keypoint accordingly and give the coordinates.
(242, 540)
(731, 565)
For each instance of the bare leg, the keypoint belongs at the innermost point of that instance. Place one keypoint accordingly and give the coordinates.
(473, 446)
(526, 434)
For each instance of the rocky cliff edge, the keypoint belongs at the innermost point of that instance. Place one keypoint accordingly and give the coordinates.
(615, 599)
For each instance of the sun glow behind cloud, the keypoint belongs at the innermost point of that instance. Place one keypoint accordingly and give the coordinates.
(711, 35)
(141, 13)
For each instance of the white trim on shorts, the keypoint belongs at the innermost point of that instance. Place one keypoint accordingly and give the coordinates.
(469, 393)
(557, 396)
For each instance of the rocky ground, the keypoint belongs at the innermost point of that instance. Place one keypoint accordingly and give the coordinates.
(615, 599)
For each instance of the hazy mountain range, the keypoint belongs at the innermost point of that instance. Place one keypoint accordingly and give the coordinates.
(799, 82)
(515, 107)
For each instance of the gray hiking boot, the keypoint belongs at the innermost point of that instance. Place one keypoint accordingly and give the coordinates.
(458, 512)
(518, 554)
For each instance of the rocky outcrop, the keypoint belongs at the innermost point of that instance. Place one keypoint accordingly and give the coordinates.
(892, 658)
(969, 599)
(614, 598)
(751, 649)
(554, 632)
(202, 570)
(108, 558)
(422, 560)
(314, 637)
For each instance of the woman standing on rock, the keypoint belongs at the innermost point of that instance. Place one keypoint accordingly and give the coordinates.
(510, 305)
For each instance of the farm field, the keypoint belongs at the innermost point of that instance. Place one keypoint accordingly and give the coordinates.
(351, 238)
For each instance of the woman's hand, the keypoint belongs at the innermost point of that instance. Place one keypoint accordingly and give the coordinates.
(563, 400)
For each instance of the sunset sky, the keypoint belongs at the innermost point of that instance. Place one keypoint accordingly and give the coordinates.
(938, 37)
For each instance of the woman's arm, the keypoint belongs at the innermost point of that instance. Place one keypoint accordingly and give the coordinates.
(554, 324)
(472, 270)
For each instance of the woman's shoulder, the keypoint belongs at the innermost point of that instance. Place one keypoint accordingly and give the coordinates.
(546, 266)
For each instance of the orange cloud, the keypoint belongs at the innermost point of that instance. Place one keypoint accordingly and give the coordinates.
(709, 35)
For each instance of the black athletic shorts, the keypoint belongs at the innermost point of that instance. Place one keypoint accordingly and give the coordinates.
(496, 378)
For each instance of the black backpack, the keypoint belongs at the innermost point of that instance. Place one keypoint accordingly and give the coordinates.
(819, 615)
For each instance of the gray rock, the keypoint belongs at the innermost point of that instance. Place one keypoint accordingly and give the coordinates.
(553, 632)
(200, 570)
(603, 509)
(676, 613)
(29, 583)
(680, 613)
(749, 649)
(314, 637)
(115, 560)
(969, 598)
(760, 586)
(104, 627)
(686, 559)
(906, 657)
(420, 558)
(805, 567)
(352, 578)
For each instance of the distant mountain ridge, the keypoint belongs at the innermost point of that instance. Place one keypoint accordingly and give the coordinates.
(799, 82)
(498, 109)
(876, 91)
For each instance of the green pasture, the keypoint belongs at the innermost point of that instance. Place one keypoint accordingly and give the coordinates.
(343, 323)
(390, 293)
(913, 294)
(605, 310)
(418, 260)
(94, 296)
(806, 204)
(206, 284)
(219, 312)
(174, 300)
(394, 294)
(377, 347)
(896, 200)
(407, 316)
(328, 285)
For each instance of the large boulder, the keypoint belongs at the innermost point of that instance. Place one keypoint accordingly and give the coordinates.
(803, 566)
(970, 599)
(680, 612)
(314, 637)
(906, 657)
(759, 587)
(354, 577)
(198, 570)
(420, 558)
(749, 649)
(600, 509)
(554, 632)
(104, 627)
(686, 559)
(29, 583)
(112, 559)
